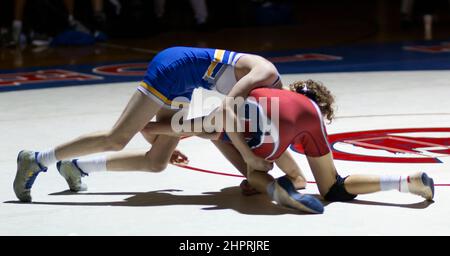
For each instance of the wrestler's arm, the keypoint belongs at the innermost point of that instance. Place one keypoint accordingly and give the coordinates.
(259, 76)
(286, 162)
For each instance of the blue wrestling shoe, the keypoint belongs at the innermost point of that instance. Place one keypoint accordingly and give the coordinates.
(285, 194)
(28, 169)
(72, 174)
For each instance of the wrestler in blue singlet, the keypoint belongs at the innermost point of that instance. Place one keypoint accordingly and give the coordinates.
(177, 71)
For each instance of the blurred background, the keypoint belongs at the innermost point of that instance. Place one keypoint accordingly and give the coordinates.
(387, 62)
(59, 32)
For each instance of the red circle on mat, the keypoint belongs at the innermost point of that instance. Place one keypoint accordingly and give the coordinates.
(427, 146)
(390, 140)
(129, 69)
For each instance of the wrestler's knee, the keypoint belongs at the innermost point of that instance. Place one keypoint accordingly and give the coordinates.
(152, 165)
(115, 142)
(337, 192)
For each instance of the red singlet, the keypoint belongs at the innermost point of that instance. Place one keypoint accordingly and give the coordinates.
(299, 122)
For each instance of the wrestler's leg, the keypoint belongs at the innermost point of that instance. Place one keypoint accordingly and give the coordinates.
(282, 191)
(290, 167)
(134, 117)
(232, 155)
(139, 110)
(156, 159)
(335, 188)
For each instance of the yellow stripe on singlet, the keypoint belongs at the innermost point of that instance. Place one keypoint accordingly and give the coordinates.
(218, 58)
(218, 55)
(163, 98)
(155, 92)
(211, 69)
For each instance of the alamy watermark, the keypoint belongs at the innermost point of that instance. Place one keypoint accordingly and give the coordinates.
(209, 115)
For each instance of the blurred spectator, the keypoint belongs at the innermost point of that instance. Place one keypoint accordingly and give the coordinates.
(406, 11)
(16, 35)
(16, 29)
(73, 23)
(427, 9)
(13, 36)
(198, 6)
(424, 9)
(4, 22)
(99, 19)
(272, 12)
(38, 27)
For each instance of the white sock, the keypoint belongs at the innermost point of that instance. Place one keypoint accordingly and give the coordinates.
(397, 182)
(47, 158)
(94, 164)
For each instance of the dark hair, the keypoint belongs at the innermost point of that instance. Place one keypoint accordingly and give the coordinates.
(317, 92)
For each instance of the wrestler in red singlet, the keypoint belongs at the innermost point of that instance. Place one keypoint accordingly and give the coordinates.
(300, 122)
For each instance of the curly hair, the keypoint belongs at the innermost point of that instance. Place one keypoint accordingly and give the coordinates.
(317, 92)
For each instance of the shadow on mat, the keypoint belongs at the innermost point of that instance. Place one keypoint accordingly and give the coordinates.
(227, 198)
(421, 205)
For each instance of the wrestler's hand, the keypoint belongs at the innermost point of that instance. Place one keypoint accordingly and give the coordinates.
(178, 158)
(258, 163)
